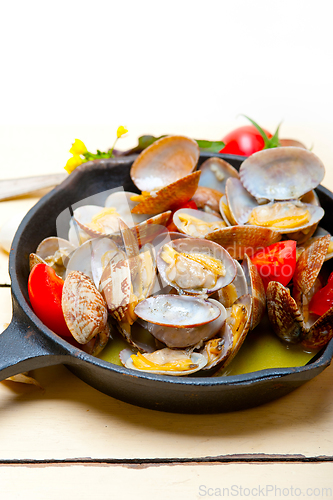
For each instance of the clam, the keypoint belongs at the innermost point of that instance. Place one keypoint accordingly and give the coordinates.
(217, 350)
(257, 291)
(196, 223)
(275, 189)
(164, 162)
(239, 240)
(236, 328)
(34, 260)
(80, 259)
(164, 362)
(144, 228)
(284, 216)
(283, 313)
(287, 217)
(103, 251)
(230, 293)
(96, 345)
(310, 263)
(96, 220)
(56, 253)
(168, 197)
(123, 290)
(195, 266)
(239, 201)
(84, 308)
(317, 234)
(225, 212)
(281, 173)
(290, 316)
(215, 172)
(122, 203)
(164, 174)
(207, 199)
(181, 321)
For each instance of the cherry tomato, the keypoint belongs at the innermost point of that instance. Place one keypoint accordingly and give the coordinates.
(276, 262)
(45, 291)
(322, 301)
(171, 227)
(244, 141)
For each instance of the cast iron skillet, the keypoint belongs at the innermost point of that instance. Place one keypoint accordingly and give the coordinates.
(28, 344)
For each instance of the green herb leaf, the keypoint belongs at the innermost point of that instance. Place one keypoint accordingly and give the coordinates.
(92, 156)
(210, 146)
(147, 140)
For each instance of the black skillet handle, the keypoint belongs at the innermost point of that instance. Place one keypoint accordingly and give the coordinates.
(23, 347)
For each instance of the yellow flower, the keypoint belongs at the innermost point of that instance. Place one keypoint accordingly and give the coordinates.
(72, 163)
(78, 148)
(121, 131)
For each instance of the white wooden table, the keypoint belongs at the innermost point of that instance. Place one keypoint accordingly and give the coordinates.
(69, 439)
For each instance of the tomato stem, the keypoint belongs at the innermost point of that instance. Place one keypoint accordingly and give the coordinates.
(273, 142)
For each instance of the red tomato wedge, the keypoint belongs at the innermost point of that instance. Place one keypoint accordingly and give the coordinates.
(322, 301)
(45, 291)
(276, 262)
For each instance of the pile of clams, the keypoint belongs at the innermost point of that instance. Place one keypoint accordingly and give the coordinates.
(194, 291)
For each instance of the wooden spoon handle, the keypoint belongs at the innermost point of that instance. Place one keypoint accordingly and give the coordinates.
(9, 188)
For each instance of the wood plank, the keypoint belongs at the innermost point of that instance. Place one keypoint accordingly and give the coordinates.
(9, 209)
(57, 423)
(187, 482)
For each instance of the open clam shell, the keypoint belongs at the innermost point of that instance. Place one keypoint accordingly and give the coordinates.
(225, 212)
(215, 172)
(34, 260)
(237, 326)
(230, 293)
(320, 332)
(303, 235)
(96, 220)
(281, 173)
(144, 227)
(239, 200)
(309, 264)
(55, 252)
(285, 213)
(121, 201)
(239, 240)
(149, 229)
(164, 356)
(218, 349)
(239, 320)
(170, 196)
(195, 222)
(164, 162)
(181, 321)
(282, 216)
(80, 259)
(199, 266)
(103, 251)
(257, 291)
